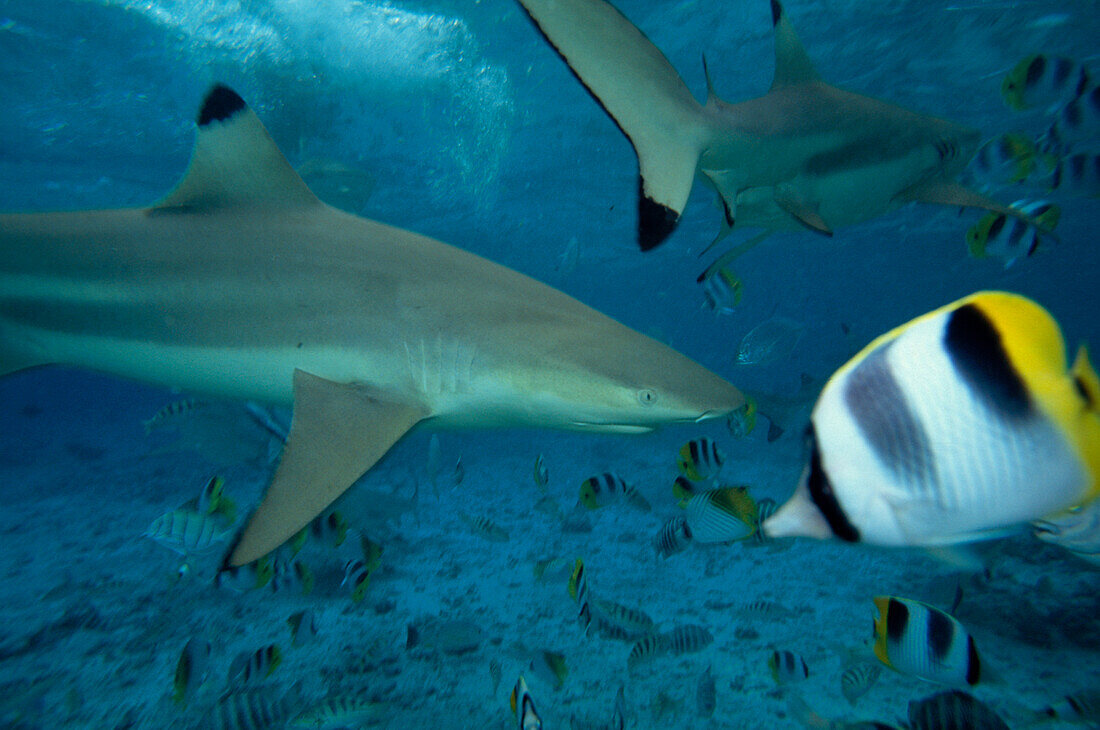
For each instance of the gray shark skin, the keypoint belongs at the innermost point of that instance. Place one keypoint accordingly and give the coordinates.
(806, 154)
(241, 283)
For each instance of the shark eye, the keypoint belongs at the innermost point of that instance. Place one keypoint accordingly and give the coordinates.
(647, 396)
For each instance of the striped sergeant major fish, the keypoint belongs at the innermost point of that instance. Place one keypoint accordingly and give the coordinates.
(786, 667)
(604, 489)
(953, 709)
(700, 459)
(1041, 80)
(674, 537)
(991, 431)
(189, 532)
(249, 669)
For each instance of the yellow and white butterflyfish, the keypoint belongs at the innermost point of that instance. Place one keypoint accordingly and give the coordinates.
(720, 515)
(960, 425)
(918, 639)
(700, 459)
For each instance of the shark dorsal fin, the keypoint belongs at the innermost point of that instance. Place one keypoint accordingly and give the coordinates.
(235, 163)
(792, 64)
(711, 96)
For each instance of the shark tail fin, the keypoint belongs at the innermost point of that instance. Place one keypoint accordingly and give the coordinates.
(637, 86)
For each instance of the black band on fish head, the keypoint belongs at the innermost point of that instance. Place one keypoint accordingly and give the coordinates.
(979, 357)
(823, 496)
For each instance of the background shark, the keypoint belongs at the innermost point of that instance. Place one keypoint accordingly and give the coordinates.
(806, 154)
(241, 283)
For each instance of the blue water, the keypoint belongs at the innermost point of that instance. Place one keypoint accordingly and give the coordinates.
(462, 124)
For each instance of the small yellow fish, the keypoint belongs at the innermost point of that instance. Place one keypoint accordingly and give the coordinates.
(1040, 80)
(190, 669)
(604, 489)
(742, 421)
(357, 578)
(551, 567)
(722, 290)
(700, 459)
(372, 553)
(484, 527)
(721, 515)
(550, 666)
(1010, 237)
(252, 668)
(915, 638)
(188, 532)
(523, 707)
(283, 574)
(578, 582)
(674, 537)
(213, 501)
(787, 667)
(1077, 174)
(578, 590)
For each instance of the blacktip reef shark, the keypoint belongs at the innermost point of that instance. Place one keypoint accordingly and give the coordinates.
(242, 283)
(806, 154)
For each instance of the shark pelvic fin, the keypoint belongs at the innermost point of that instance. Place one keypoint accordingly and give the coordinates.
(234, 163)
(792, 63)
(337, 433)
(637, 86)
(801, 210)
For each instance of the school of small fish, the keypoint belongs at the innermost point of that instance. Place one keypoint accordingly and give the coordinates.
(966, 424)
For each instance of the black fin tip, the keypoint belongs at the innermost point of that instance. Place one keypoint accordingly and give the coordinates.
(655, 222)
(220, 104)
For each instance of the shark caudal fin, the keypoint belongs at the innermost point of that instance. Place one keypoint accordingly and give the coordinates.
(641, 91)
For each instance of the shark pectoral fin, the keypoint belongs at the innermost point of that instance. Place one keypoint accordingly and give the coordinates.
(337, 433)
(801, 210)
(792, 63)
(642, 92)
(948, 192)
(234, 163)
